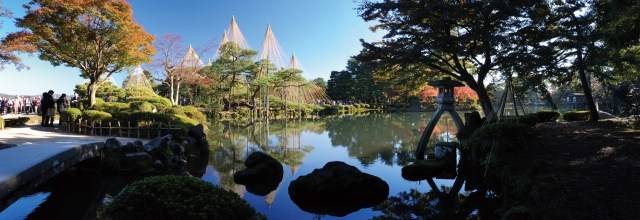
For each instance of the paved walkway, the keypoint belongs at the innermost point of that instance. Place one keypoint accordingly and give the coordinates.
(41, 148)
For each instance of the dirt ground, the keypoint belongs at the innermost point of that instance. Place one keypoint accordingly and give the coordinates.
(585, 170)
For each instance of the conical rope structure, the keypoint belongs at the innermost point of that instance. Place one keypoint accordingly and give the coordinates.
(137, 79)
(271, 50)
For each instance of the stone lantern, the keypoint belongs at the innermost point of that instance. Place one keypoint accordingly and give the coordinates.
(445, 102)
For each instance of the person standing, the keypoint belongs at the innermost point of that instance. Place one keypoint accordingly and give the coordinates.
(36, 105)
(62, 103)
(48, 108)
(75, 100)
(27, 105)
(17, 105)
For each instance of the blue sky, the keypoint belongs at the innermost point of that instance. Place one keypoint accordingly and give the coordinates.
(323, 34)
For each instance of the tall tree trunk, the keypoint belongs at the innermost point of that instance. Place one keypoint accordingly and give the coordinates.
(173, 101)
(483, 96)
(593, 111)
(92, 87)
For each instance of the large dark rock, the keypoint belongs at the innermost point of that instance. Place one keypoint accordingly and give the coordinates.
(156, 144)
(132, 158)
(132, 147)
(424, 169)
(337, 190)
(197, 133)
(260, 168)
(112, 147)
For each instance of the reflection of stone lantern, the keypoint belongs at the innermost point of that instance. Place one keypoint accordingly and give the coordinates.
(445, 102)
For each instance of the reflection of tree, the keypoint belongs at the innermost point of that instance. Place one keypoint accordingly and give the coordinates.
(386, 136)
(430, 205)
(230, 142)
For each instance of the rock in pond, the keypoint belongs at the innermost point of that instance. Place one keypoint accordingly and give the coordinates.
(112, 147)
(337, 190)
(156, 143)
(261, 168)
(197, 133)
(423, 169)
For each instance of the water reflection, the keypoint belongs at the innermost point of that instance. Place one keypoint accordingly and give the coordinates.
(378, 143)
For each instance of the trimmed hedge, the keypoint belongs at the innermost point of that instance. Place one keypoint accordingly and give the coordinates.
(72, 114)
(85, 102)
(177, 197)
(112, 108)
(175, 110)
(548, 116)
(141, 106)
(576, 116)
(96, 116)
(193, 113)
(161, 104)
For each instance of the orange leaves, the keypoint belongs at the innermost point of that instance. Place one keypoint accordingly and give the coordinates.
(460, 93)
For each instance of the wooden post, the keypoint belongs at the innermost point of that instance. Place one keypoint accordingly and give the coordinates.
(129, 127)
(109, 128)
(169, 128)
(100, 128)
(138, 128)
(79, 123)
(93, 128)
(119, 129)
(149, 131)
(159, 129)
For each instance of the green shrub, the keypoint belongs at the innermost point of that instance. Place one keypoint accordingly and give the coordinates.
(183, 122)
(112, 108)
(547, 116)
(192, 112)
(576, 116)
(175, 110)
(96, 116)
(177, 197)
(161, 103)
(85, 102)
(141, 106)
(72, 114)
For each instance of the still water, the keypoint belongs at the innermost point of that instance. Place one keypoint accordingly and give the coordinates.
(379, 144)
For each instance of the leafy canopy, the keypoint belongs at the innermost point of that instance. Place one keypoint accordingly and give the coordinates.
(99, 37)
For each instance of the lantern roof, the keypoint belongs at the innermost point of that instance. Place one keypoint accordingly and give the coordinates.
(445, 82)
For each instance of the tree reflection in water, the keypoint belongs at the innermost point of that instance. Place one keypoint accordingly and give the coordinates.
(443, 203)
(230, 142)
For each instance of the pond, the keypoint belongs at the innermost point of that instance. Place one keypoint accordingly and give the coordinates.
(379, 144)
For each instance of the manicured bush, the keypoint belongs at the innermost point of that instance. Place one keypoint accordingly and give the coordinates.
(112, 108)
(175, 110)
(141, 106)
(161, 103)
(548, 116)
(177, 197)
(72, 114)
(85, 102)
(192, 112)
(576, 116)
(96, 116)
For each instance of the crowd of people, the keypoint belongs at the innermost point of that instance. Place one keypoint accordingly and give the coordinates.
(46, 104)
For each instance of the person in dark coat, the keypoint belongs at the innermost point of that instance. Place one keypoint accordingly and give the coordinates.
(42, 109)
(75, 100)
(62, 103)
(48, 108)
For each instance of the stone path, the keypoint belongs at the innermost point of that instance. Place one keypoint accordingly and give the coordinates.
(37, 145)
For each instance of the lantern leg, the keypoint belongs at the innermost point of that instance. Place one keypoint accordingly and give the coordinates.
(457, 120)
(424, 140)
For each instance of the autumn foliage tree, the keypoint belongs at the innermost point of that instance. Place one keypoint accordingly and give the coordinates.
(99, 37)
(12, 44)
(460, 93)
